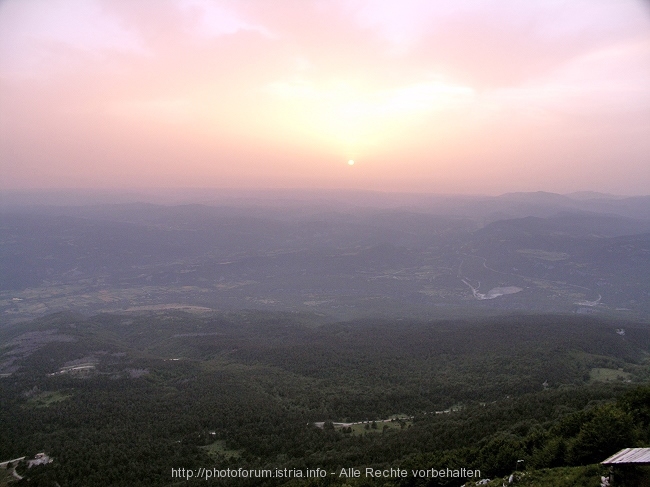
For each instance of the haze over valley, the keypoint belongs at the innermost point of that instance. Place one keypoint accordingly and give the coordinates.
(324, 243)
(415, 256)
(288, 331)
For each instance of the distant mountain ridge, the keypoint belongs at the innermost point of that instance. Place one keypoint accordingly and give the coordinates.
(336, 259)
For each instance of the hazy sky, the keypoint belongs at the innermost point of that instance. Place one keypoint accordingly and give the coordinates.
(462, 96)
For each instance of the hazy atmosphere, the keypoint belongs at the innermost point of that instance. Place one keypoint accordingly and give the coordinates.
(325, 243)
(423, 96)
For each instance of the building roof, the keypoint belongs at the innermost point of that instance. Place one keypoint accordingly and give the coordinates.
(635, 456)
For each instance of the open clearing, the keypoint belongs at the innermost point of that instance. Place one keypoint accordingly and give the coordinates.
(599, 374)
(219, 449)
(47, 398)
(543, 254)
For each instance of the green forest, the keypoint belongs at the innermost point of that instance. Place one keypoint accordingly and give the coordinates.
(129, 399)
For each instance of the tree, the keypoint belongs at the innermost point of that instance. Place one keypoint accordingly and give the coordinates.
(610, 430)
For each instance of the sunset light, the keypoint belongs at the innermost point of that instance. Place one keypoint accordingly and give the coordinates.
(309, 243)
(470, 97)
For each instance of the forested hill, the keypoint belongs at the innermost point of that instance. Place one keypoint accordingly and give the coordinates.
(121, 399)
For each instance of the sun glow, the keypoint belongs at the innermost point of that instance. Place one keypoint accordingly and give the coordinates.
(361, 116)
(483, 97)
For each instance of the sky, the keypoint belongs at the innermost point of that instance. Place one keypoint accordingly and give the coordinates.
(433, 96)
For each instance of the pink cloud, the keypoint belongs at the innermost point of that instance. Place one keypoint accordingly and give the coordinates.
(423, 95)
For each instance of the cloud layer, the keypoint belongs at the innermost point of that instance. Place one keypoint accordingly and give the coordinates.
(467, 96)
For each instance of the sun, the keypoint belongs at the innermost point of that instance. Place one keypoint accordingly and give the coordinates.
(350, 162)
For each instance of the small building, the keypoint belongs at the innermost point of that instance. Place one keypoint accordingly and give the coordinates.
(629, 467)
(39, 459)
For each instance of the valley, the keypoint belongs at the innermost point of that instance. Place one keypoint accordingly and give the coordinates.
(140, 339)
(407, 262)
